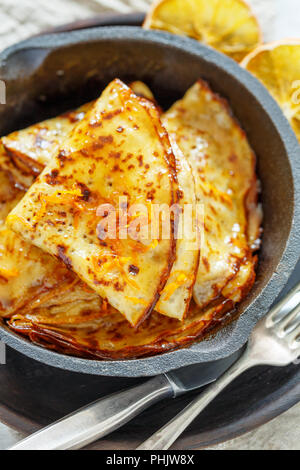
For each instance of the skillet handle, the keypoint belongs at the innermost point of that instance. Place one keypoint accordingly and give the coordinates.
(98, 419)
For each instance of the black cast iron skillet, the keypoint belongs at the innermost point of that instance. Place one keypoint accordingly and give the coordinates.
(49, 74)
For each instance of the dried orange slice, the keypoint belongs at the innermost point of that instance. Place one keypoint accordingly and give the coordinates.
(277, 66)
(226, 25)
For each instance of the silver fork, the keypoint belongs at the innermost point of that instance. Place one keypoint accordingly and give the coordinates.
(274, 341)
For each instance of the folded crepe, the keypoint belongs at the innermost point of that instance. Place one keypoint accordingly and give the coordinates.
(195, 116)
(29, 277)
(32, 148)
(90, 327)
(119, 149)
(42, 299)
(175, 299)
(40, 142)
(223, 166)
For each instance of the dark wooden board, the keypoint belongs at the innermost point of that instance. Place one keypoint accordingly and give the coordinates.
(33, 395)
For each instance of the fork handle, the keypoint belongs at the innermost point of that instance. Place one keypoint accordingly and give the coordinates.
(168, 434)
(98, 419)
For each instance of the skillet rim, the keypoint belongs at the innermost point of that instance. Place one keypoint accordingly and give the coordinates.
(238, 331)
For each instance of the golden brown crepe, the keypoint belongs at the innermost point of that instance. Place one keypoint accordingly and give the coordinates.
(110, 336)
(106, 334)
(29, 277)
(223, 165)
(41, 141)
(77, 321)
(142, 90)
(31, 149)
(119, 150)
(176, 296)
(9, 195)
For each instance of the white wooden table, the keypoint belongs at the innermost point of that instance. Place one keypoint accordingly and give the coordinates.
(279, 19)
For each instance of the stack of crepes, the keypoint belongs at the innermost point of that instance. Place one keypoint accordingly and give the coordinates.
(65, 285)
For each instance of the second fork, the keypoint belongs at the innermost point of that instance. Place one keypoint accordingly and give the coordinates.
(274, 341)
